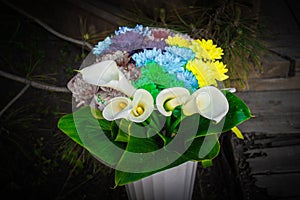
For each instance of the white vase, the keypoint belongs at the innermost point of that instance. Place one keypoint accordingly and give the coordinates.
(172, 184)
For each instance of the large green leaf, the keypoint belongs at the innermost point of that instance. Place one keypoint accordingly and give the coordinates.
(202, 148)
(93, 134)
(176, 151)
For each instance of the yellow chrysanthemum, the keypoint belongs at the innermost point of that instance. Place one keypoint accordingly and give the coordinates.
(221, 70)
(203, 71)
(178, 41)
(207, 73)
(199, 50)
(213, 51)
(206, 50)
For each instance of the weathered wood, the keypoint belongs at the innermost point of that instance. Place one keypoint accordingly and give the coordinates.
(293, 52)
(284, 186)
(271, 84)
(273, 124)
(272, 101)
(276, 160)
(273, 66)
(276, 112)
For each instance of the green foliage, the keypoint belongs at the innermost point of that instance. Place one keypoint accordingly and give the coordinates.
(115, 142)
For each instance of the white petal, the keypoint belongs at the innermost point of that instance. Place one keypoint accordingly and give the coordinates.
(107, 73)
(101, 72)
(122, 84)
(178, 95)
(209, 102)
(142, 98)
(118, 107)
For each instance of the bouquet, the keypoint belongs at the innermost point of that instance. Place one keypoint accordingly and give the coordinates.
(147, 99)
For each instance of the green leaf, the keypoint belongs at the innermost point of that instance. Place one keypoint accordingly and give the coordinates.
(66, 125)
(183, 148)
(122, 135)
(86, 130)
(200, 150)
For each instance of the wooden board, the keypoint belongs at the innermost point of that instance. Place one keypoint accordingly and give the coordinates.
(276, 112)
(283, 186)
(268, 165)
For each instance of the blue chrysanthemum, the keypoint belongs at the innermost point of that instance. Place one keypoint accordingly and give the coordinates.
(189, 80)
(146, 56)
(182, 52)
(138, 29)
(102, 46)
(170, 62)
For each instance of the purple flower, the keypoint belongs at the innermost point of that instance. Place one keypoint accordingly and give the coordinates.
(127, 41)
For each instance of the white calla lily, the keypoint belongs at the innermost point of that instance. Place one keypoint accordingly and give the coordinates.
(107, 74)
(142, 106)
(118, 107)
(209, 102)
(168, 99)
(137, 110)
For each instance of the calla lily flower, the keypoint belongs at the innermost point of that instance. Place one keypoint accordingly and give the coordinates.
(117, 108)
(107, 74)
(137, 110)
(168, 99)
(209, 102)
(142, 106)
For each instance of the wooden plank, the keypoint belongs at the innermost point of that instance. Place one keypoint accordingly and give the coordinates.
(284, 186)
(286, 123)
(283, 40)
(260, 141)
(271, 84)
(293, 52)
(275, 112)
(273, 66)
(272, 101)
(278, 160)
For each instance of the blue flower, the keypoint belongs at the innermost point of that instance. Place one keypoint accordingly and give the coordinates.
(138, 29)
(170, 62)
(102, 46)
(146, 56)
(190, 81)
(182, 52)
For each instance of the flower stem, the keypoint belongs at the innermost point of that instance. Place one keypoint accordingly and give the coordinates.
(168, 126)
(176, 123)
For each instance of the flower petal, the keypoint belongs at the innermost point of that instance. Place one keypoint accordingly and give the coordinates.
(107, 74)
(209, 102)
(142, 106)
(101, 72)
(175, 96)
(118, 107)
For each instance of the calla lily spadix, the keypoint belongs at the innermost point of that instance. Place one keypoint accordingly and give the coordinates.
(137, 110)
(209, 102)
(107, 74)
(168, 99)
